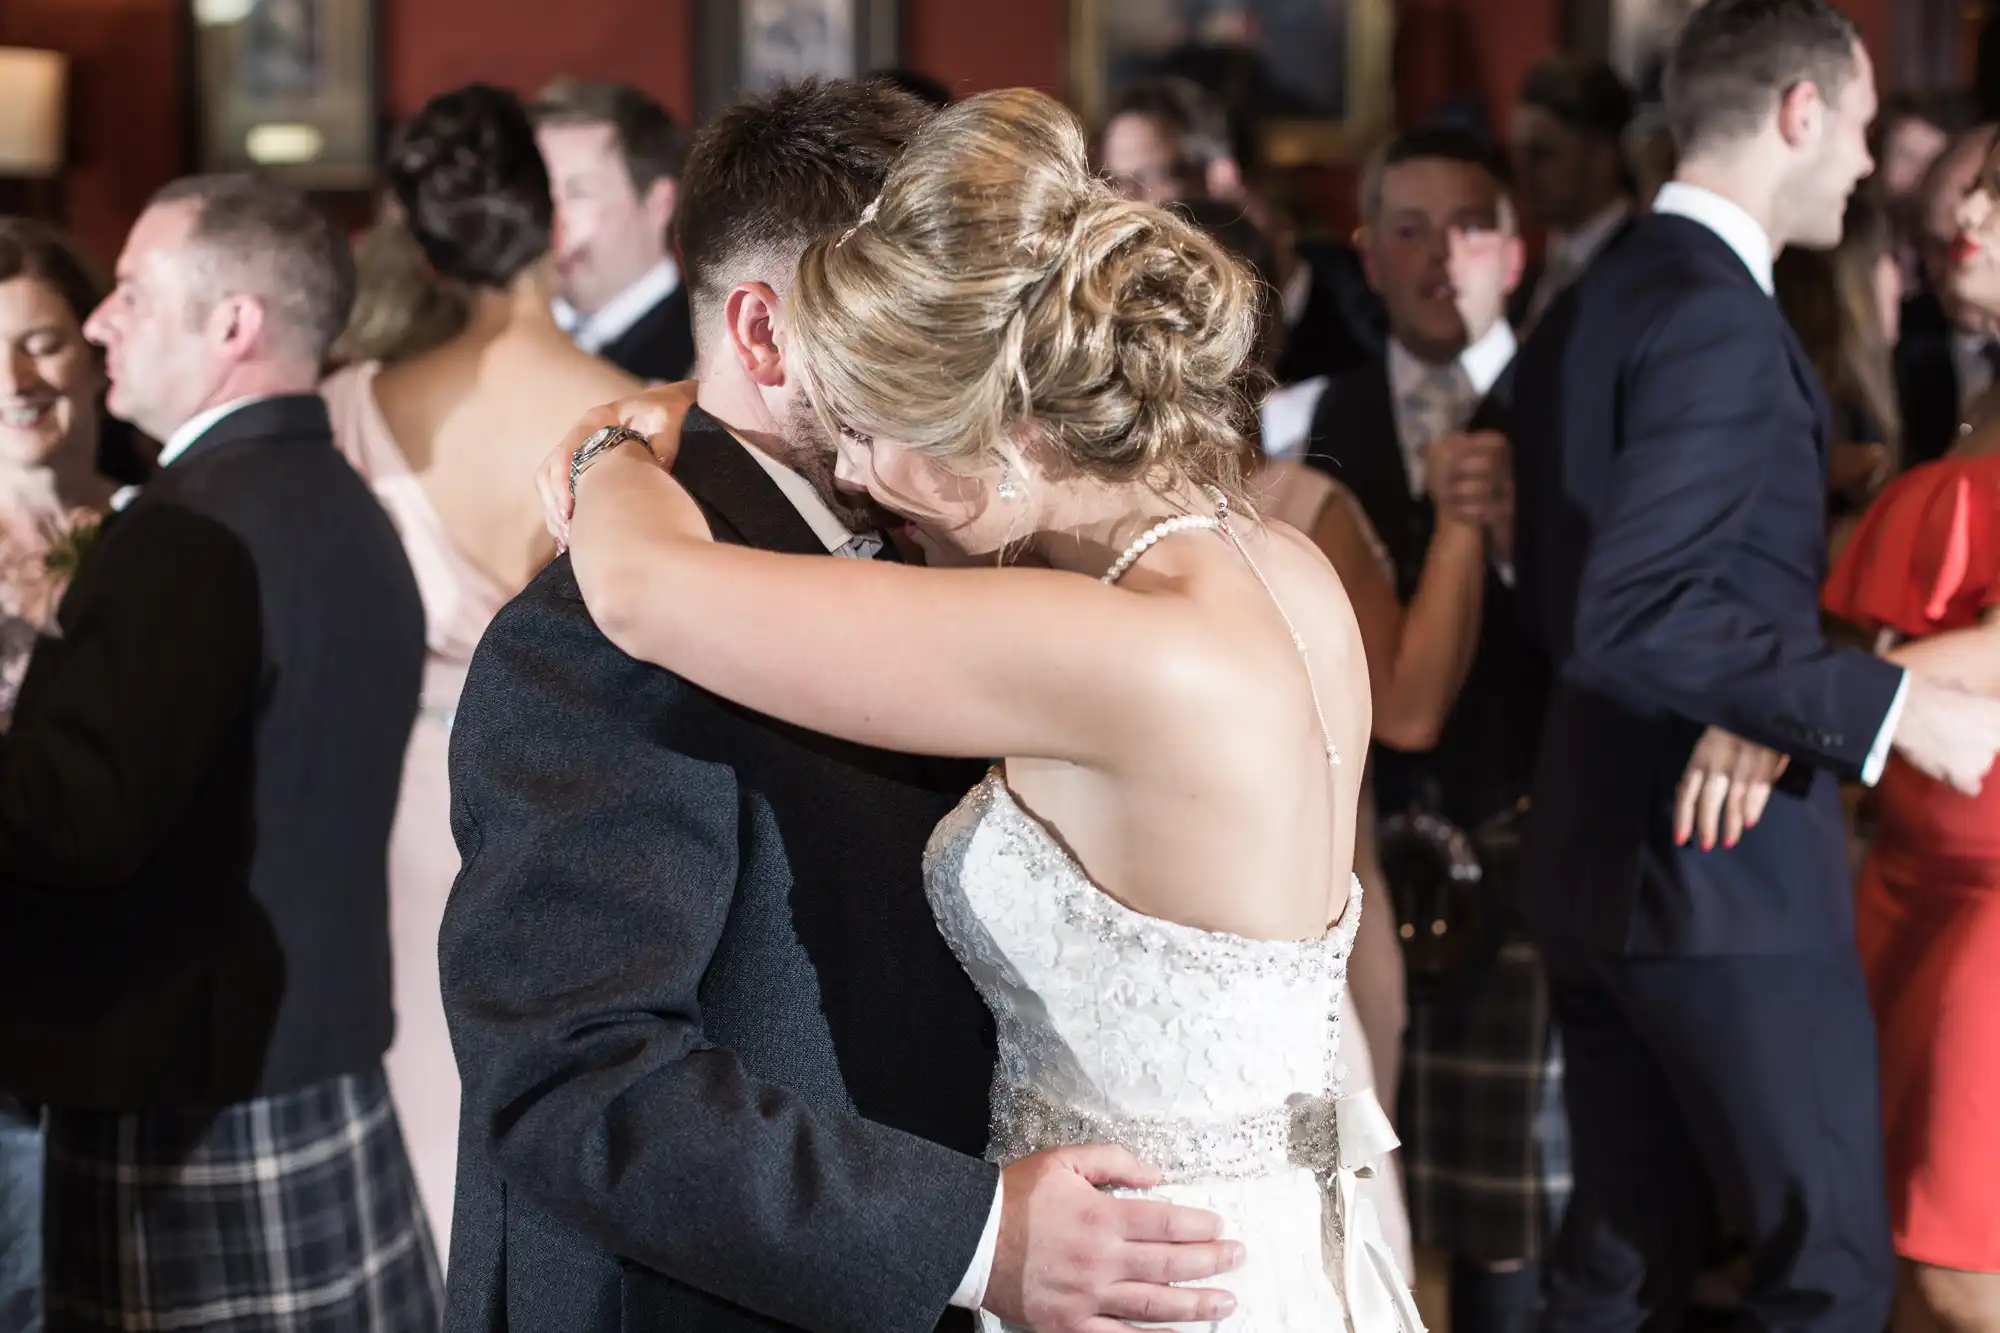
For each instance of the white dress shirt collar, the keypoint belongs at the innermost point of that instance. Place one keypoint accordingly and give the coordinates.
(1486, 360)
(1286, 416)
(1727, 219)
(1483, 363)
(594, 333)
(200, 424)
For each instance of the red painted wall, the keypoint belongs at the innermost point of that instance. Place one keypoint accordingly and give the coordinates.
(127, 107)
(431, 45)
(974, 45)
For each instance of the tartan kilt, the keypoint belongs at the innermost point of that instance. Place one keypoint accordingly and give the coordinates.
(1485, 1138)
(296, 1213)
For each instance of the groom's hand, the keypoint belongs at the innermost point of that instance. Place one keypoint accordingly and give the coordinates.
(1073, 1260)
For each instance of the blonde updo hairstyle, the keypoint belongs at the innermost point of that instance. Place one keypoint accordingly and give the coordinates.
(999, 301)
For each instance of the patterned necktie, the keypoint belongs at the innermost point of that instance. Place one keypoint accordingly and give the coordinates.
(1436, 406)
(861, 546)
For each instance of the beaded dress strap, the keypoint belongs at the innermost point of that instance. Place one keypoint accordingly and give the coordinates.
(1219, 522)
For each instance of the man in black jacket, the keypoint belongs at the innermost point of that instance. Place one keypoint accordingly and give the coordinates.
(195, 802)
(1671, 441)
(615, 159)
(721, 1071)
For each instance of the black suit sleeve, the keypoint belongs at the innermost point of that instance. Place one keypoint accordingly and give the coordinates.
(1701, 466)
(599, 870)
(154, 675)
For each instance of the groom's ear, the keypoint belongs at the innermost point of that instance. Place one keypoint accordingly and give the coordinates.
(751, 314)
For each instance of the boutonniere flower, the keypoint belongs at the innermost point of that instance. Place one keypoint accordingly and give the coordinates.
(72, 545)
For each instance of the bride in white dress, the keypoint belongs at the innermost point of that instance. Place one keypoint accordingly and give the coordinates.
(1153, 888)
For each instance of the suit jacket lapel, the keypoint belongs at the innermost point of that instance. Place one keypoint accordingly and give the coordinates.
(730, 484)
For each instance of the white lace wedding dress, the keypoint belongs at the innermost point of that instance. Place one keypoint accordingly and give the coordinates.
(1212, 1057)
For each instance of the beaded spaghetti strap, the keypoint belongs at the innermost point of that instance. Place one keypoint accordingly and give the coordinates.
(1219, 522)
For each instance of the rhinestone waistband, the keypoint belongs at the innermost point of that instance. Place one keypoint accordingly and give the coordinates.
(1301, 1133)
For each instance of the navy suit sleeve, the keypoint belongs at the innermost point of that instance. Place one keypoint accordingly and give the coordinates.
(599, 870)
(1700, 494)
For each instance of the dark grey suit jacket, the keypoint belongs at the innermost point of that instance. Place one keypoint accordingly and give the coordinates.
(721, 1071)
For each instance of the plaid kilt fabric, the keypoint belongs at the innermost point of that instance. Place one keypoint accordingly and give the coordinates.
(295, 1214)
(1485, 1140)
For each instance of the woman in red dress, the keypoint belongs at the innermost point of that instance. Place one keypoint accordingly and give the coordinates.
(1922, 573)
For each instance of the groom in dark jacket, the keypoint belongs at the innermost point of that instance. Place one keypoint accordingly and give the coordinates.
(721, 1071)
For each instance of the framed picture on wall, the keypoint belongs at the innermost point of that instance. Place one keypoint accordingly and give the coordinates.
(1314, 75)
(290, 87)
(749, 47)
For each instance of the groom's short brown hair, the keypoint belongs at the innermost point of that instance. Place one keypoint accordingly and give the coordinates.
(772, 175)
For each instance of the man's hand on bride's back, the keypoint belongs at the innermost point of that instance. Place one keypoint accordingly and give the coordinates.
(655, 412)
(1071, 1259)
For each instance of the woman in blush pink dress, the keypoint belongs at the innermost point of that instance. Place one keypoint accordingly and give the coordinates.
(450, 438)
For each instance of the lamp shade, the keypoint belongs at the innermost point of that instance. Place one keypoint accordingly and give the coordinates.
(32, 94)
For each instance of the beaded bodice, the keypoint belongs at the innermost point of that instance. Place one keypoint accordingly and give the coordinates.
(1124, 1026)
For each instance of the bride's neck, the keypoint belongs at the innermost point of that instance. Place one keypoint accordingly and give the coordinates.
(1087, 526)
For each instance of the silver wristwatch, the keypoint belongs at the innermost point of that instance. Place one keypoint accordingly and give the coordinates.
(610, 437)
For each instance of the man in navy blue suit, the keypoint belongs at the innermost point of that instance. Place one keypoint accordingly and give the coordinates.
(1671, 441)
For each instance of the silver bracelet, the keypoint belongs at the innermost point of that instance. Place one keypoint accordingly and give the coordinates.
(600, 443)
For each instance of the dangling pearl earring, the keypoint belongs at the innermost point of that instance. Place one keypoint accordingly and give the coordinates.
(1006, 489)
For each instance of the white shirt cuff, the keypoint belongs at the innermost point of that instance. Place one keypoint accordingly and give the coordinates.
(1878, 755)
(971, 1293)
(1505, 569)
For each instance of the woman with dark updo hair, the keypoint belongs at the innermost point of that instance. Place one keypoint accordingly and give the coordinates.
(449, 438)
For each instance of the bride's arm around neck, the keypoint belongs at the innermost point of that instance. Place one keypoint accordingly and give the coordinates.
(969, 662)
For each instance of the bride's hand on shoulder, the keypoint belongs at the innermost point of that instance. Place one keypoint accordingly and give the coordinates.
(656, 413)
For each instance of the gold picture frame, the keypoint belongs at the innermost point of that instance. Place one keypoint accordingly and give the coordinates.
(1369, 86)
(287, 87)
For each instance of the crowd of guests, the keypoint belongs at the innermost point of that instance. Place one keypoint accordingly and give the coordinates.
(226, 839)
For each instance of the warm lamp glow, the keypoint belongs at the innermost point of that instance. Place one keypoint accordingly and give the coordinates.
(284, 145)
(32, 87)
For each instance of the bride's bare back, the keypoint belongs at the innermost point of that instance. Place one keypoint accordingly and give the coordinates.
(1227, 816)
